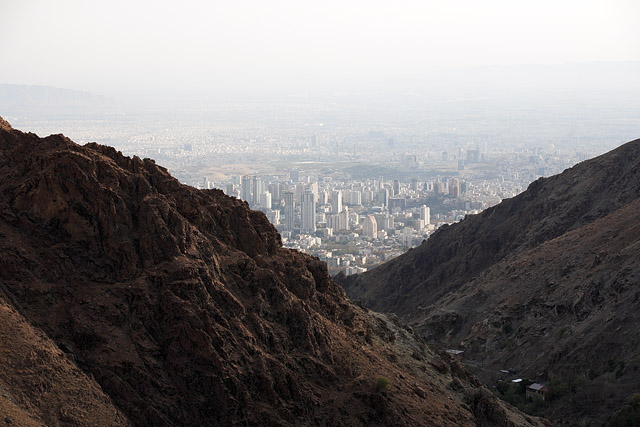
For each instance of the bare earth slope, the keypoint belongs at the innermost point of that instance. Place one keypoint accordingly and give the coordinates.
(40, 385)
(186, 310)
(564, 310)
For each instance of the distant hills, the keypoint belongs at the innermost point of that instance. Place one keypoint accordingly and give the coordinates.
(127, 298)
(545, 284)
(53, 102)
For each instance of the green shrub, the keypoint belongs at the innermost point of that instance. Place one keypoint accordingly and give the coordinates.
(567, 386)
(382, 383)
(514, 393)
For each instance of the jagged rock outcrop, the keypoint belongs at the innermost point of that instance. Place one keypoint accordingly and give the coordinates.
(545, 283)
(4, 125)
(186, 310)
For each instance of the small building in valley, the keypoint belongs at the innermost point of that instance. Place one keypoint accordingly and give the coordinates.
(536, 389)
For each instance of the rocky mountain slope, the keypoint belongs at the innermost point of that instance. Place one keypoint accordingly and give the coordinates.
(40, 385)
(565, 310)
(175, 306)
(545, 283)
(547, 209)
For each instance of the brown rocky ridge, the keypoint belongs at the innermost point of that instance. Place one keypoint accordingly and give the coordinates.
(173, 306)
(4, 125)
(545, 284)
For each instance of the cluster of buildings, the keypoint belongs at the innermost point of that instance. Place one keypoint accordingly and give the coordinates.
(330, 204)
(352, 224)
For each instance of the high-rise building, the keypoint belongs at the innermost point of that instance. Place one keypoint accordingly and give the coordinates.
(370, 227)
(367, 197)
(265, 200)
(339, 221)
(425, 214)
(438, 188)
(308, 213)
(206, 184)
(336, 201)
(333, 222)
(355, 198)
(289, 211)
(321, 217)
(397, 204)
(274, 189)
(354, 218)
(298, 192)
(454, 187)
(323, 198)
(396, 187)
(407, 237)
(246, 189)
(314, 189)
(384, 221)
(273, 216)
(345, 224)
(414, 184)
(294, 176)
(257, 189)
(382, 197)
(230, 190)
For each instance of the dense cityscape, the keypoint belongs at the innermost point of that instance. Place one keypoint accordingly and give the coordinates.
(350, 191)
(353, 224)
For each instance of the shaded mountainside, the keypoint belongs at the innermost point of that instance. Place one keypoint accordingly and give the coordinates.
(39, 384)
(565, 311)
(454, 254)
(182, 308)
(545, 284)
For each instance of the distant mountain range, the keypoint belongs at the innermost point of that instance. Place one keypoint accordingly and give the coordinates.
(51, 101)
(127, 298)
(545, 284)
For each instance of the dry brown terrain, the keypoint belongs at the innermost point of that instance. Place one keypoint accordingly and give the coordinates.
(40, 385)
(545, 284)
(181, 307)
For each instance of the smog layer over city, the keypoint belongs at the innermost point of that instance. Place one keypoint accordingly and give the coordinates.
(377, 123)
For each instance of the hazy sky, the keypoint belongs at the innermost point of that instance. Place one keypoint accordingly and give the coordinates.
(119, 45)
